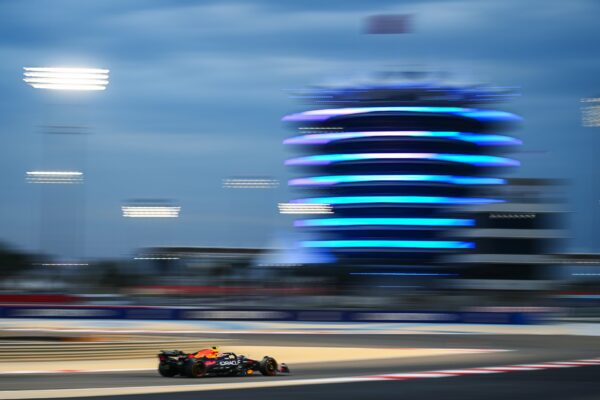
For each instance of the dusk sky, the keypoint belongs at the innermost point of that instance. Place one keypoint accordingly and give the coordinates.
(198, 89)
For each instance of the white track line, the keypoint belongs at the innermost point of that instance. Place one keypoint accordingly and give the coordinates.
(465, 371)
(509, 368)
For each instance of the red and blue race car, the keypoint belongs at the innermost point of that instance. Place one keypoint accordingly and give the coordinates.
(211, 362)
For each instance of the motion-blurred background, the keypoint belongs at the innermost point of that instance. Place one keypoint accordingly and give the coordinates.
(416, 155)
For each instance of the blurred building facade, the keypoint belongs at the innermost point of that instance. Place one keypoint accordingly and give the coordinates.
(515, 240)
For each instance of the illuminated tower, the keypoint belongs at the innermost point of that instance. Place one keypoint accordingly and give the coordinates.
(393, 162)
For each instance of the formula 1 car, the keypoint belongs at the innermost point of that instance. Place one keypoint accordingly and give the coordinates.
(211, 362)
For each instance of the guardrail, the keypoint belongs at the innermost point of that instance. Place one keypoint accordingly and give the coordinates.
(165, 313)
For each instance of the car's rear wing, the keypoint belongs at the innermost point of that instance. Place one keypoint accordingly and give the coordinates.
(172, 353)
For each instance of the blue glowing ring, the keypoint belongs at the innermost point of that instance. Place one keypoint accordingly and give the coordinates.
(340, 179)
(404, 244)
(480, 139)
(478, 114)
(395, 199)
(472, 159)
(338, 222)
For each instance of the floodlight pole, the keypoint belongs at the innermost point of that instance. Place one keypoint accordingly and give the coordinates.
(62, 208)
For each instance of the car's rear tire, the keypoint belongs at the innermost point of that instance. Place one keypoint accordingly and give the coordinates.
(194, 369)
(268, 366)
(167, 370)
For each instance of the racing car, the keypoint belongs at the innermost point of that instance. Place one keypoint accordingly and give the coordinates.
(211, 362)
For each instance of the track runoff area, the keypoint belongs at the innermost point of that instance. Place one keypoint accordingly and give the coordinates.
(345, 366)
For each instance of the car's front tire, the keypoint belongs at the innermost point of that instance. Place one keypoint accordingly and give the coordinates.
(268, 366)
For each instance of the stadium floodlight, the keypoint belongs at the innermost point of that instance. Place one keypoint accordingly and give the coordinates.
(150, 211)
(250, 183)
(82, 79)
(300, 208)
(54, 177)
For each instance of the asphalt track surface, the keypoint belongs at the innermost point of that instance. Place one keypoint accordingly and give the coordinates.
(568, 383)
